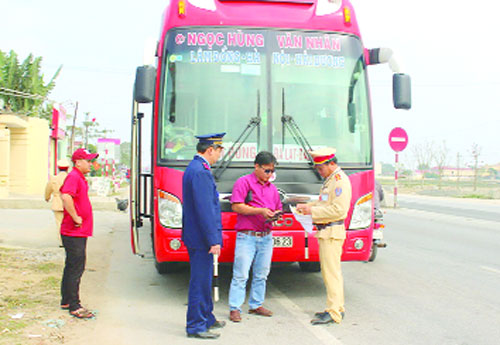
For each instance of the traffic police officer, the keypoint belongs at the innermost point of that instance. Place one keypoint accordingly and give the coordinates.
(328, 214)
(202, 234)
(52, 189)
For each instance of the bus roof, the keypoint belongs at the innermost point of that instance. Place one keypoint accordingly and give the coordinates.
(322, 15)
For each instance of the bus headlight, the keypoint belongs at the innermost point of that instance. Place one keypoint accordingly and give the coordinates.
(169, 210)
(362, 213)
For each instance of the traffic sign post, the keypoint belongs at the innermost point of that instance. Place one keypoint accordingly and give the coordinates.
(398, 140)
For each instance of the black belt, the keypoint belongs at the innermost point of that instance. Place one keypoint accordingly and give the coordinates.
(324, 226)
(255, 233)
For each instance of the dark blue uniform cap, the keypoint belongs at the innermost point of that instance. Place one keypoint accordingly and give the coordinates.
(212, 138)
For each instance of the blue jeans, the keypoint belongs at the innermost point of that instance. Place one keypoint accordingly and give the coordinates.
(256, 251)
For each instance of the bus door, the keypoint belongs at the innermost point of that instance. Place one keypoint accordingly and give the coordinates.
(140, 183)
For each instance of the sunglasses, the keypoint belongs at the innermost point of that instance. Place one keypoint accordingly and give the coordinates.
(268, 171)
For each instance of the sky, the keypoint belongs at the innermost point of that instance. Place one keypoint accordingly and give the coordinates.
(448, 48)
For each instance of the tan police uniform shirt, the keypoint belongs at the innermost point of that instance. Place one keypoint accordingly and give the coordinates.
(53, 187)
(333, 205)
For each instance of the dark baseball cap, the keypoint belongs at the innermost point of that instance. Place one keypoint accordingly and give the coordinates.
(83, 154)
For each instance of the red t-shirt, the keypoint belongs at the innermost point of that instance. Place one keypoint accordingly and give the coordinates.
(76, 185)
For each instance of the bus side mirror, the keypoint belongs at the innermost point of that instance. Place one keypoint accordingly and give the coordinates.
(144, 86)
(401, 91)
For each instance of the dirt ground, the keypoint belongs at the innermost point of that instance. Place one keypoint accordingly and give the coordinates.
(30, 274)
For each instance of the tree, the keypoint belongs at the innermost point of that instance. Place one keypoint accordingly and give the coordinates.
(440, 158)
(3, 58)
(125, 154)
(92, 129)
(92, 148)
(78, 132)
(492, 173)
(22, 87)
(88, 130)
(423, 154)
(387, 169)
(476, 152)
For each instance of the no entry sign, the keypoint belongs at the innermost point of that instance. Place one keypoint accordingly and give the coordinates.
(398, 139)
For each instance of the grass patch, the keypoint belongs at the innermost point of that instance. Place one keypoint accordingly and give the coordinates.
(21, 289)
(31, 287)
(47, 267)
(484, 189)
(18, 301)
(52, 283)
(476, 196)
(16, 325)
(6, 250)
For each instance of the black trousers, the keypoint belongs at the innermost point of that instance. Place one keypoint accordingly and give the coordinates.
(75, 248)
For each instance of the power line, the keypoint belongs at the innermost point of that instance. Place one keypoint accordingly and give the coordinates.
(16, 93)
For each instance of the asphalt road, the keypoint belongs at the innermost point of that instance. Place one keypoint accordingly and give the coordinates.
(467, 208)
(437, 282)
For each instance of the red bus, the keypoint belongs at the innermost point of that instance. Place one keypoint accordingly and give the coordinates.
(284, 76)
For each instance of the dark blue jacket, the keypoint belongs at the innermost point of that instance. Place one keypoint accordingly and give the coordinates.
(201, 215)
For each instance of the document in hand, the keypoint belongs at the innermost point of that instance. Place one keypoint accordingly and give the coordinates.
(305, 220)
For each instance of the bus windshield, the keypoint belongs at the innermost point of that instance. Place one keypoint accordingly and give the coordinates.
(218, 79)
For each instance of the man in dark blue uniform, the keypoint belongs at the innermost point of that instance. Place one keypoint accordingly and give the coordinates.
(202, 235)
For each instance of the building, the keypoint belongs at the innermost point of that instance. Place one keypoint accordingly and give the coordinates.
(24, 155)
(109, 150)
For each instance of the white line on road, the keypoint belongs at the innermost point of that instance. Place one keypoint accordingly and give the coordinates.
(319, 332)
(490, 269)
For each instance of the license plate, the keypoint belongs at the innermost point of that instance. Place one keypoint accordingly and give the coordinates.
(377, 234)
(283, 242)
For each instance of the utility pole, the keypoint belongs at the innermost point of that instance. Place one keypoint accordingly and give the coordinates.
(476, 151)
(72, 140)
(87, 123)
(458, 170)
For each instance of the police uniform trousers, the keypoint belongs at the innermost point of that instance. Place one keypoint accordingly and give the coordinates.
(330, 251)
(200, 306)
(59, 215)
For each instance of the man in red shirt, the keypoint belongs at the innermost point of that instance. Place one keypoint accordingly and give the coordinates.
(76, 227)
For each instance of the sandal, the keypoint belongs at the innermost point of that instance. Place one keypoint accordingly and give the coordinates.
(64, 306)
(82, 313)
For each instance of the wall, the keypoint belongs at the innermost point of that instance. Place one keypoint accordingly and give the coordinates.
(4, 162)
(29, 153)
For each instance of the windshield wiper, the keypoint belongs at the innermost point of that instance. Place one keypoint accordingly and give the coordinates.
(171, 112)
(351, 106)
(228, 157)
(287, 121)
